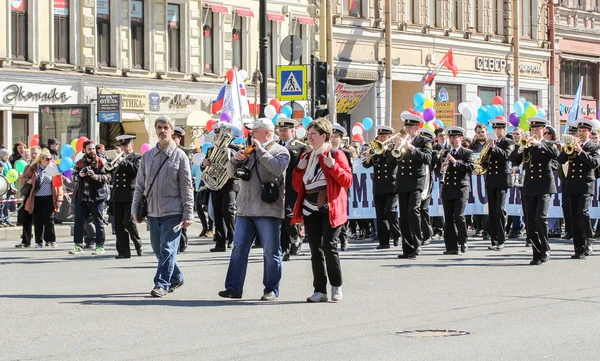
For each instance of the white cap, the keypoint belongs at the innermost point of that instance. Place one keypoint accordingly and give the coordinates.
(338, 128)
(263, 123)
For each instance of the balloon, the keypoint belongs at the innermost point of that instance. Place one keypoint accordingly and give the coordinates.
(357, 130)
(79, 144)
(490, 129)
(429, 114)
(242, 74)
(67, 151)
(523, 124)
(367, 123)
(428, 103)
(462, 106)
(541, 113)
(419, 109)
(359, 124)
(58, 161)
(359, 138)
(511, 128)
(145, 147)
(482, 116)
(210, 125)
(206, 147)
(52, 170)
(287, 111)
(225, 117)
(198, 158)
(429, 126)
(74, 144)
(300, 133)
(274, 120)
(34, 142)
(35, 136)
(270, 111)
(421, 125)
(68, 174)
(498, 100)
(476, 102)
(491, 111)
(514, 120)
(306, 121)
(439, 123)
(531, 111)
(419, 100)
(526, 105)
(78, 157)
(276, 104)
(467, 113)
(12, 175)
(435, 125)
(20, 165)
(518, 108)
(57, 181)
(500, 109)
(229, 75)
(65, 164)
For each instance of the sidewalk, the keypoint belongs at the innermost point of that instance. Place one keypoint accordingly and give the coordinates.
(14, 233)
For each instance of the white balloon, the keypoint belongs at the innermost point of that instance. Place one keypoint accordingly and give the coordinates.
(52, 170)
(78, 157)
(356, 130)
(461, 106)
(596, 123)
(236, 123)
(198, 158)
(270, 111)
(243, 75)
(476, 102)
(467, 113)
(300, 133)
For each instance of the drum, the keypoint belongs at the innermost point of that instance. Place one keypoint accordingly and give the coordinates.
(4, 186)
(517, 180)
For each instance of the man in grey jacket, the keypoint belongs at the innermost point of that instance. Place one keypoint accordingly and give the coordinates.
(258, 213)
(165, 179)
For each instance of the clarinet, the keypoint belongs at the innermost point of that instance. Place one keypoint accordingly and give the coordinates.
(444, 167)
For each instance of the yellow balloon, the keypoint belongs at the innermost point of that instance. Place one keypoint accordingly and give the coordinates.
(12, 175)
(428, 103)
(74, 143)
(58, 161)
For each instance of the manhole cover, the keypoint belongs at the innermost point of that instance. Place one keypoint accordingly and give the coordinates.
(432, 333)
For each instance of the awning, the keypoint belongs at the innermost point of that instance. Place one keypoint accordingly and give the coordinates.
(589, 59)
(275, 17)
(306, 21)
(219, 8)
(245, 12)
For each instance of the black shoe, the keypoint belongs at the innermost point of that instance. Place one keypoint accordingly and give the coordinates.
(485, 236)
(175, 286)
(139, 251)
(578, 256)
(122, 256)
(22, 245)
(500, 247)
(218, 249)
(396, 242)
(296, 250)
(513, 235)
(203, 233)
(567, 235)
(383, 246)
(229, 294)
(408, 256)
(159, 292)
(464, 248)
(588, 251)
(535, 262)
(453, 253)
(344, 246)
(286, 255)
(545, 257)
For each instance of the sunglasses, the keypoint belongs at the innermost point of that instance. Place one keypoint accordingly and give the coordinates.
(547, 133)
(48, 159)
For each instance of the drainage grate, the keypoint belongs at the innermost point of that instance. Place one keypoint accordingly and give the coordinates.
(431, 333)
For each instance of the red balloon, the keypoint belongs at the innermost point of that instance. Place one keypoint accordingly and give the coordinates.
(229, 75)
(210, 125)
(35, 136)
(79, 144)
(359, 124)
(411, 110)
(57, 181)
(34, 142)
(421, 125)
(500, 117)
(436, 125)
(276, 104)
(498, 100)
(359, 138)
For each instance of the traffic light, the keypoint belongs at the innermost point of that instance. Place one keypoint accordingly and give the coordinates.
(321, 81)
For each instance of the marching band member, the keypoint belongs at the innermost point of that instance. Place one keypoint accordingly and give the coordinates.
(338, 133)
(498, 179)
(386, 200)
(425, 200)
(566, 199)
(410, 183)
(440, 145)
(480, 221)
(455, 190)
(538, 184)
(583, 158)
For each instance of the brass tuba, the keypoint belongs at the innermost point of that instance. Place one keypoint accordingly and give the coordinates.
(215, 175)
(483, 162)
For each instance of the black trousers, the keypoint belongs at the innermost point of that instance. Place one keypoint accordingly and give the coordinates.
(43, 219)
(27, 222)
(536, 215)
(582, 228)
(223, 202)
(437, 224)
(425, 219)
(455, 232)
(324, 258)
(125, 229)
(290, 233)
(566, 207)
(206, 223)
(410, 221)
(497, 220)
(386, 211)
(481, 222)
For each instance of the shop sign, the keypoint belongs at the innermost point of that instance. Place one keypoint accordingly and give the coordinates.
(530, 69)
(340, 73)
(444, 111)
(588, 107)
(16, 93)
(109, 108)
(61, 7)
(494, 65)
(348, 96)
(178, 101)
(131, 101)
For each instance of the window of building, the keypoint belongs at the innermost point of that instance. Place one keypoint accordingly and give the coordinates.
(448, 93)
(136, 15)
(300, 31)
(271, 28)
(454, 13)
(487, 94)
(61, 31)
(352, 8)
(103, 24)
(527, 18)
(237, 42)
(432, 11)
(64, 122)
(208, 40)
(174, 37)
(571, 72)
(530, 96)
(18, 21)
(20, 128)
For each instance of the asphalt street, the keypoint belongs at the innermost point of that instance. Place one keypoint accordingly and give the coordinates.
(59, 307)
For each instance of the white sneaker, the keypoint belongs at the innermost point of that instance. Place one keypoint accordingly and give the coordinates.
(317, 297)
(336, 294)
(99, 251)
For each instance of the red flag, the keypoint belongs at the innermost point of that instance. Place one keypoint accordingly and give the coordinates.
(447, 61)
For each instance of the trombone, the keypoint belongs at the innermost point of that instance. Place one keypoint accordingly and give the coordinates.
(114, 156)
(377, 147)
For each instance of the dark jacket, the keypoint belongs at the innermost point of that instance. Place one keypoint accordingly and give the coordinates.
(457, 182)
(385, 167)
(124, 178)
(436, 154)
(499, 175)
(580, 178)
(91, 188)
(296, 149)
(412, 166)
(538, 166)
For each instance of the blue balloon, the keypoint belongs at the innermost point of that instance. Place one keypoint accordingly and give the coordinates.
(492, 112)
(500, 109)
(419, 100)
(526, 105)
(419, 109)
(65, 164)
(367, 123)
(490, 129)
(519, 108)
(541, 113)
(306, 121)
(67, 151)
(287, 111)
(440, 123)
(482, 116)
(511, 128)
(239, 140)
(275, 119)
(206, 147)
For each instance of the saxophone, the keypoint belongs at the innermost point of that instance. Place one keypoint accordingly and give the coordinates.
(483, 162)
(215, 175)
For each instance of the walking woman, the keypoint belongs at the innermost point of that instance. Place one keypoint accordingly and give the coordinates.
(45, 198)
(321, 179)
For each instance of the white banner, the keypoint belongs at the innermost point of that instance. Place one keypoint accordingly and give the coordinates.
(361, 206)
(348, 96)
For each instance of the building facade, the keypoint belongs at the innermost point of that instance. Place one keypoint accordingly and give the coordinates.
(55, 54)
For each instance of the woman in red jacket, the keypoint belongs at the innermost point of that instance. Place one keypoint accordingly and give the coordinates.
(321, 179)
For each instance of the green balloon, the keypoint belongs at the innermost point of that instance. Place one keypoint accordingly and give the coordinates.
(531, 111)
(12, 176)
(20, 166)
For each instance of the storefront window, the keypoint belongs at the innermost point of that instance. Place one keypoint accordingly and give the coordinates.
(530, 96)
(18, 21)
(20, 128)
(237, 41)
(103, 24)
(64, 122)
(352, 7)
(487, 94)
(136, 14)
(61, 31)
(448, 93)
(571, 72)
(174, 37)
(208, 40)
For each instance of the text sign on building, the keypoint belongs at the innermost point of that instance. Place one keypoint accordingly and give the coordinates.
(109, 108)
(61, 7)
(292, 82)
(154, 102)
(530, 69)
(444, 111)
(18, 5)
(494, 65)
(15, 93)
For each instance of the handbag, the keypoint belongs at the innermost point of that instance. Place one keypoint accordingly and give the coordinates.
(269, 190)
(25, 190)
(142, 210)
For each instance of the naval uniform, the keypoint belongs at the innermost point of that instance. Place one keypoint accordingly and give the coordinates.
(410, 183)
(498, 178)
(122, 195)
(579, 185)
(455, 194)
(386, 200)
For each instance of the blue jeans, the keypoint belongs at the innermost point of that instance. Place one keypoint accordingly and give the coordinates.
(165, 244)
(268, 230)
(82, 211)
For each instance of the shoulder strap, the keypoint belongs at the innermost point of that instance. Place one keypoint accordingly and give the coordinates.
(156, 175)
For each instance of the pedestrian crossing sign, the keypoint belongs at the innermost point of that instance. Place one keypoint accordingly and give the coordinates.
(292, 82)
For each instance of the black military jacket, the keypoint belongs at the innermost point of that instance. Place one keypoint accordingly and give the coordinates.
(457, 182)
(538, 164)
(499, 174)
(412, 166)
(384, 172)
(580, 176)
(124, 178)
(296, 149)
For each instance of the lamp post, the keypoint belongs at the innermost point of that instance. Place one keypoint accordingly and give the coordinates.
(262, 15)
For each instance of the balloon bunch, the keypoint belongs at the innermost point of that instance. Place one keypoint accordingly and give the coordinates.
(522, 111)
(422, 102)
(424, 108)
(359, 128)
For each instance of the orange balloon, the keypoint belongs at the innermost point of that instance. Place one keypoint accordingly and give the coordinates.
(79, 144)
(210, 125)
(34, 142)
(57, 181)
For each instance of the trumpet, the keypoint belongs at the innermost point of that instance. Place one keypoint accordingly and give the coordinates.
(526, 142)
(444, 167)
(570, 142)
(399, 150)
(377, 147)
(114, 158)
